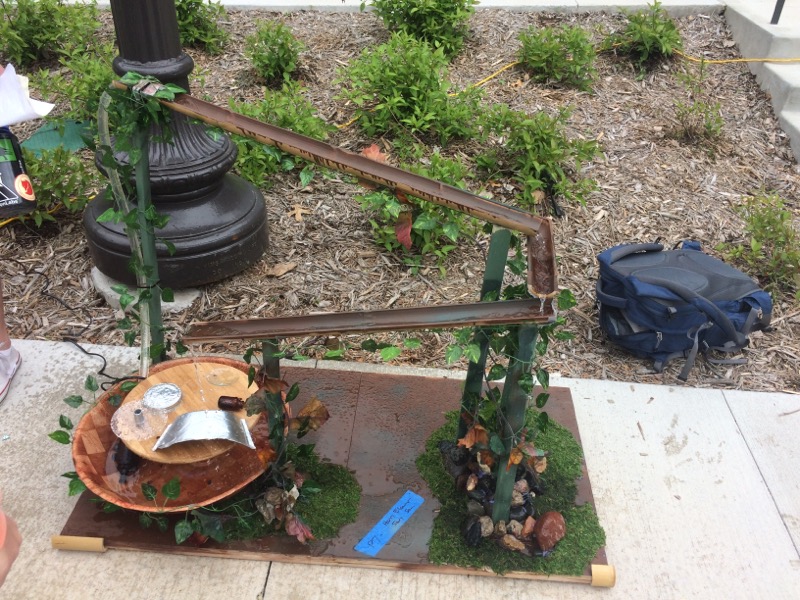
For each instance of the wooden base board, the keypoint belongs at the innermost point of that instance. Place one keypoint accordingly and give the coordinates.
(379, 424)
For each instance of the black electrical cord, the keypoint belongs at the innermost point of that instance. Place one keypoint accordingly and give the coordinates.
(74, 337)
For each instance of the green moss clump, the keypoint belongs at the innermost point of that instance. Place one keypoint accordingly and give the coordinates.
(330, 496)
(584, 535)
(329, 500)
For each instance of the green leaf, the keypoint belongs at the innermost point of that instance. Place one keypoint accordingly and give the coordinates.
(543, 421)
(126, 299)
(162, 523)
(109, 216)
(369, 345)
(543, 377)
(541, 399)
(333, 354)
(496, 372)
(65, 422)
(109, 507)
(292, 393)
(167, 295)
(172, 489)
(306, 175)
(149, 491)
(60, 436)
(496, 445)
(74, 401)
(390, 353)
(412, 343)
(127, 386)
(473, 352)
(566, 300)
(120, 288)
(171, 249)
(453, 354)
(76, 486)
(183, 530)
(145, 520)
(212, 525)
(91, 384)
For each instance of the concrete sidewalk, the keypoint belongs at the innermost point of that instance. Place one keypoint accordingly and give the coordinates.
(698, 491)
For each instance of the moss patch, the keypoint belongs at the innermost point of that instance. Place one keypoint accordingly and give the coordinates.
(329, 500)
(334, 501)
(584, 534)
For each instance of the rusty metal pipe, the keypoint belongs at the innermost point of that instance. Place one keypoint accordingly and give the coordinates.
(484, 314)
(542, 279)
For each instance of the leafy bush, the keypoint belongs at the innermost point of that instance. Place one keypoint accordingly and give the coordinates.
(402, 85)
(772, 252)
(274, 51)
(441, 23)
(540, 155)
(560, 55)
(649, 36)
(86, 76)
(198, 22)
(39, 30)
(431, 229)
(60, 179)
(286, 108)
(699, 118)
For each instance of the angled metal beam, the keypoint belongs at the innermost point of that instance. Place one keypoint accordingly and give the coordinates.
(485, 314)
(542, 274)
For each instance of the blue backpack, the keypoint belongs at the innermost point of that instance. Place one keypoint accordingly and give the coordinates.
(668, 304)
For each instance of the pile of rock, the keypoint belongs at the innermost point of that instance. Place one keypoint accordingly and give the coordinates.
(525, 531)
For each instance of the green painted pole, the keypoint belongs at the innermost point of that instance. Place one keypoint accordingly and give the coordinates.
(148, 244)
(496, 260)
(269, 354)
(513, 407)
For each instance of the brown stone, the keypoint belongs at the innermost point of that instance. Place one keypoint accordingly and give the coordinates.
(550, 528)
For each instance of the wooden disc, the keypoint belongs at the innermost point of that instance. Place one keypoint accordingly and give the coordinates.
(202, 383)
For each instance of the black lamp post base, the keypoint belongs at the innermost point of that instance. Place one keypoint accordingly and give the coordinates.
(215, 235)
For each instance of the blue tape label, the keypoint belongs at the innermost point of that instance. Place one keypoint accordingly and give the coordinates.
(390, 524)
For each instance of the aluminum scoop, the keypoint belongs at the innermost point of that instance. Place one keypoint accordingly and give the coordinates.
(206, 425)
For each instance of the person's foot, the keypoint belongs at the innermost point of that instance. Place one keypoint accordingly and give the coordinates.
(10, 360)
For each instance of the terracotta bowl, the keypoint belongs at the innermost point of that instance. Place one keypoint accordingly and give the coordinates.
(201, 482)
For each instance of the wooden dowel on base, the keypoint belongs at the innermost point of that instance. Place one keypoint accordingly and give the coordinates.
(603, 576)
(79, 543)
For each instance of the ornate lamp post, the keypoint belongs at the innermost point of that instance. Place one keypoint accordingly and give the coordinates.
(217, 221)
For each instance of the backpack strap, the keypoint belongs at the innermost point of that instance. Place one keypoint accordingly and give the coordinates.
(621, 252)
(692, 356)
(703, 304)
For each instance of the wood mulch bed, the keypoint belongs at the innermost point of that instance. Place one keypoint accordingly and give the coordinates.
(650, 185)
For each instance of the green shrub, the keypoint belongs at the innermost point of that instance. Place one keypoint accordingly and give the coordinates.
(274, 51)
(772, 252)
(539, 154)
(441, 23)
(77, 88)
(287, 108)
(198, 22)
(698, 117)
(649, 36)
(559, 55)
(61, 179)
(402, 85)
(435, 229)
(40, 30)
